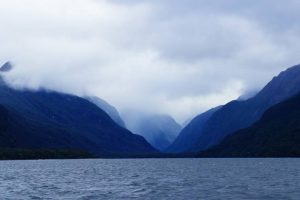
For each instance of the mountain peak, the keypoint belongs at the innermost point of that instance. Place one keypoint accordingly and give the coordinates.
(6, 67)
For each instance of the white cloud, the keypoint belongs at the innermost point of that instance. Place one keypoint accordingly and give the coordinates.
(165, 56)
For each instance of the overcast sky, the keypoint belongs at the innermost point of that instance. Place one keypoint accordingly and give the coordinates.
(165, 56)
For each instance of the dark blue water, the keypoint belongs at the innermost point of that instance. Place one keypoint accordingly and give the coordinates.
(208, 179)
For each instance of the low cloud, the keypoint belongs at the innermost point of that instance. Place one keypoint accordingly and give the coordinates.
(173, 57)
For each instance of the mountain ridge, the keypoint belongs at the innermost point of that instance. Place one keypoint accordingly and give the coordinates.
(187, 136)
(108, 108)
(240, 114)
(42, 119)
(276, 134)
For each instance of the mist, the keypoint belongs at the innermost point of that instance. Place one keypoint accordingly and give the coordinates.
(163, 57)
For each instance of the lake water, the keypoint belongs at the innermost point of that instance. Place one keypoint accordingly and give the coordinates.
(187, 179)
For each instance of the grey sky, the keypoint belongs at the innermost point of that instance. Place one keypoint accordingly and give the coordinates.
(165, 56)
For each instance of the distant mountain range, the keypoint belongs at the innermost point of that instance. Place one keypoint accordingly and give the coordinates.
(276, 134)
(159, 130)
(51, 120)
(238, 114)
(260, 124)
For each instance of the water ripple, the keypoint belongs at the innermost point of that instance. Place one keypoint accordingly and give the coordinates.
(209, 179)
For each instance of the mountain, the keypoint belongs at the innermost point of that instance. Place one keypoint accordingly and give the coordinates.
(190, 134)
(51, 120)
(276, 134)
(159, 130)
(240, 114)
(109, 109)
(6, 67)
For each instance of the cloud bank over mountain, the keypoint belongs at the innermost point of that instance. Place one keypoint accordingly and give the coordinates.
(170, 56)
